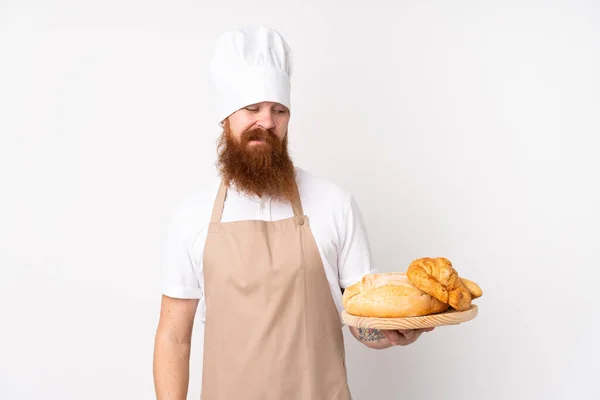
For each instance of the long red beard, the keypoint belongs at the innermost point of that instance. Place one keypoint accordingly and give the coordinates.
(265, 170)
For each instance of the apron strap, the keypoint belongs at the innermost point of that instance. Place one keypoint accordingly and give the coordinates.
(217, 212)
(297, 203)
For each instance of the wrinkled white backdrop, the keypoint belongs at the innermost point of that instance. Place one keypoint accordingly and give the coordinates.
(466, 129)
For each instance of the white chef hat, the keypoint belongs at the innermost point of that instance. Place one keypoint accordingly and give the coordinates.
(250, 65)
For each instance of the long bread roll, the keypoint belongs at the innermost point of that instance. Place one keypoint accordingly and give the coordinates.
(389, 295)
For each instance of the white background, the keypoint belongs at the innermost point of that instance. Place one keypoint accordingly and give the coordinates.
(467, 129)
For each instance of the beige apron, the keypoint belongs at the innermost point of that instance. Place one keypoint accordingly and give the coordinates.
(272, 330)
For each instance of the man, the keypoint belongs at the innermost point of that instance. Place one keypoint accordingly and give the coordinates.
(263, 254)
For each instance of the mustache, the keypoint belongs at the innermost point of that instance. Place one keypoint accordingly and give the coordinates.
(259, 134)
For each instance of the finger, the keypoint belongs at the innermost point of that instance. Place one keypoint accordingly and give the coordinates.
(409, 334)
(394, 337)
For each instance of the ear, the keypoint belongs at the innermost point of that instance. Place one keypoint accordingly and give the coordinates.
(224, 123)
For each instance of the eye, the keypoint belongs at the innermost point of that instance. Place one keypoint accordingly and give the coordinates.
(251, 109)
(281, 112)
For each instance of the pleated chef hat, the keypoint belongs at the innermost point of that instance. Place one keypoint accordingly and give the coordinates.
(250, 65)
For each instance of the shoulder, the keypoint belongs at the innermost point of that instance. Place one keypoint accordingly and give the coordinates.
(191, 214)
(315, 187)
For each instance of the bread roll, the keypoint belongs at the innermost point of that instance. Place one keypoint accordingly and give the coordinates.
(472, 287)
(437, 277)
(389, 295)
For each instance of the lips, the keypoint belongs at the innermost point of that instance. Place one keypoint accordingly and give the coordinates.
(257, 141)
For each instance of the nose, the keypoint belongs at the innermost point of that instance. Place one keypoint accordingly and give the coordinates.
(266, 120)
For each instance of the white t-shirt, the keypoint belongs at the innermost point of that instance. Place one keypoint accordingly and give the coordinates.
(333, 215)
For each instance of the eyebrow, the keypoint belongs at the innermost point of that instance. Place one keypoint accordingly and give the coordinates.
(273, 107)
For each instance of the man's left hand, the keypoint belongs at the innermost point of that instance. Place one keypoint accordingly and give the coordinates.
(404, 337)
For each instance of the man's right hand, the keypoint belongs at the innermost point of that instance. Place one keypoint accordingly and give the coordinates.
(172, 348)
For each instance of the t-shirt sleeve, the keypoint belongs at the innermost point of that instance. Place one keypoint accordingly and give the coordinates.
(354, 254)
(179, 277)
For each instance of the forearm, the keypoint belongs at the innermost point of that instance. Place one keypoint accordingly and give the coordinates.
(171, 369)
(372, 338)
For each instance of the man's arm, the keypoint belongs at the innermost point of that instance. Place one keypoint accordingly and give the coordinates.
(382, 339)
(172, 348)
(372, 338)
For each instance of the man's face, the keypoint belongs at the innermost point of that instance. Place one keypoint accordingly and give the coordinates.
(253, 151)
(267, 116)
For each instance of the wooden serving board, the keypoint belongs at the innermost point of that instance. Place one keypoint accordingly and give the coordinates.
(449, 317)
